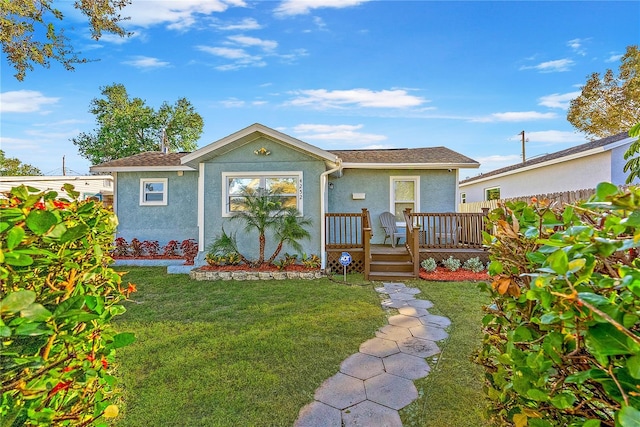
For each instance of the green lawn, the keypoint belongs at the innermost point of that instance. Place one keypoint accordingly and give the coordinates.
(253, 353)
(452, 393)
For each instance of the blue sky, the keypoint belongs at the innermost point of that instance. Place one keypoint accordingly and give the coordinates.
(339, 74)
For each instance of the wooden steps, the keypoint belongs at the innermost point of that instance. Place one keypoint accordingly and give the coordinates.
(395, 265)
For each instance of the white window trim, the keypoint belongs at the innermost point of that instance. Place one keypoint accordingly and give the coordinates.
(165, 193)
(392, 201)
(261, 174)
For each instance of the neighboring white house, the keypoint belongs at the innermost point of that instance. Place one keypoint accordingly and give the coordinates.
(576, 168)
(98, 186)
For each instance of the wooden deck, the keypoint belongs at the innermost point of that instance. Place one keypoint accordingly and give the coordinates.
(434, 235)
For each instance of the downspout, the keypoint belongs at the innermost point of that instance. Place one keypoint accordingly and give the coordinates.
(323, 210)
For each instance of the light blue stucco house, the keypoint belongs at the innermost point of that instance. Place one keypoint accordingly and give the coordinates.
(176, 196)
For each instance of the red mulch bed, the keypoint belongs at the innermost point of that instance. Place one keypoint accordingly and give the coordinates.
(148, 257)
(441, 274)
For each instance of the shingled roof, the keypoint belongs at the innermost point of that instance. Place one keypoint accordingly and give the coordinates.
(427, 155)
(400, 156)
(147, 159)
(553, 156)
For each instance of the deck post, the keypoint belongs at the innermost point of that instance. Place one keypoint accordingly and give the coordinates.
(415, 249)
(366, 236)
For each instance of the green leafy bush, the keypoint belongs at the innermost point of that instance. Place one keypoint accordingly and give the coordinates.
(57, 298)
(429, 264)
(451, 263)
(474, 264)
(561, 344)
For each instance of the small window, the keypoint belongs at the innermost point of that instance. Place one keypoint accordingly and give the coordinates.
(463, 197)
(492, 193)
(153, 192)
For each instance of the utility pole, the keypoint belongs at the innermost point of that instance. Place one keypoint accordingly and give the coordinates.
(64, 171)
(523, 141)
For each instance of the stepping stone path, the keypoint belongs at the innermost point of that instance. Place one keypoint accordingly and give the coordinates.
(375, 383)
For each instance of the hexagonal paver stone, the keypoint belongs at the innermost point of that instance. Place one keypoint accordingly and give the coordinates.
(391, 390)
(406, 366)
(317, 414)
(393, 333)
(418, 347)
(362, 366)
(381, 290)
(368, 413)
(341, 391)
(432, 319)
(379, 347)
(404, 321)
(401, 296)
(413, 311)
(394, 287)
(412, 291)
(429, 332)
(420, 303)
(394, 303)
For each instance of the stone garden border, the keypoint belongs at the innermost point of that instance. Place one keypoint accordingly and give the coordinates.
(201, 275)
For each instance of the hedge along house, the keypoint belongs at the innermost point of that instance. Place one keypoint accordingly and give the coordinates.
(177, 196)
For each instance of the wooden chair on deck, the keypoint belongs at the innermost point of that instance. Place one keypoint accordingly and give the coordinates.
(388, 222)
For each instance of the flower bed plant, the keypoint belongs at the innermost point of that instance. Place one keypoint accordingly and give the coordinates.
(187, 249)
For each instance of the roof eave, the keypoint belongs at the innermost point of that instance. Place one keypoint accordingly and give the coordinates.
(354, 165)
(574, 156)
(142, 168)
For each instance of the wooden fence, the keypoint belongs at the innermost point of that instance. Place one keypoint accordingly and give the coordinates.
(560, 198)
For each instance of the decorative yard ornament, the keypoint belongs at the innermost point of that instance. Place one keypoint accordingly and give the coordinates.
(345, 260)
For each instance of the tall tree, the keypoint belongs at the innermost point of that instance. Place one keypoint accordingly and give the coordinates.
(609, 105)
(11, 166)
(128, 126)
(30, 35)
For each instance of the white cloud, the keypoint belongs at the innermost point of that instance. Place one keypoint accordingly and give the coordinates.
(146, 62)
(558, 65)
(336, 134)
(24, 101)
(553, 137)
(322, 98)
(303, 7)
(558, 100)
(176, 14)
(614, 57)
(577, 46)
(254, 41)
(490, 163)
(240, 57)
(246, 24)
(516, 116)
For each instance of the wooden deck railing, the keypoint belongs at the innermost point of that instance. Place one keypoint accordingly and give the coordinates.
(345, 230)
(352, 232)
(452, 230)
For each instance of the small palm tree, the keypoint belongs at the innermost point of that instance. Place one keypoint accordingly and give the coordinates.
(262, 211)
(290, 229)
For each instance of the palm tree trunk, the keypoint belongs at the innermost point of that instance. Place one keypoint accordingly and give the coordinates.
(276, 252)
(262, 245)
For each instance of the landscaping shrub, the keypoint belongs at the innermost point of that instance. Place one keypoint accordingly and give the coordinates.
(189, 248)
(451, 263)
(429, 264)
(561, 344)
(57, 298)
(474, 264)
